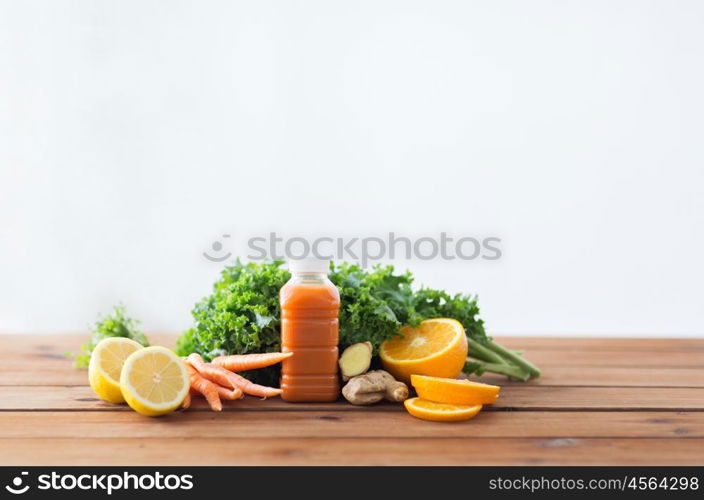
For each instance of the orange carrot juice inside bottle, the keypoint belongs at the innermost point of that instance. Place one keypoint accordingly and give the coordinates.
(310, 304)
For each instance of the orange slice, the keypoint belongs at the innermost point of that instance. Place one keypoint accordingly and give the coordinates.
(440, 412)
(453, 391)
(437, 347)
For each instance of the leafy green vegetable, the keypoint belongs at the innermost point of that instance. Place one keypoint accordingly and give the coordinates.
(376, 304)
(242, 315)
(118, 324)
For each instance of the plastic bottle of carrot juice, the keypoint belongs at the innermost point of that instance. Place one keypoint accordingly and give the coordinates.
(310, 305)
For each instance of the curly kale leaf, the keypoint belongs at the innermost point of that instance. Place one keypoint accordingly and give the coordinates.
(117, 324)
(375, 304)
(240, 316)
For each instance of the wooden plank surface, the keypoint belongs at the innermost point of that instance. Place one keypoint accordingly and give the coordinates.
(354, 451)
(514, 397)
(54, 372)
(72, 341)
(620, 362)
(624, 344)
(349, 424)
(600, 401)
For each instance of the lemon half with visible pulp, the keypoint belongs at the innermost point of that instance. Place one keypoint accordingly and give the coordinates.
(154, 381)
(105, 366)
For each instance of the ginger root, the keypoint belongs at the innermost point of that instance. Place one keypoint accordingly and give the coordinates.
(374, 386)
(355, 360)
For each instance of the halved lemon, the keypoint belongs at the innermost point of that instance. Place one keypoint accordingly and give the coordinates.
(440, 412)
(105, 366)
(453, 391)
(437, 347)
(154, 381)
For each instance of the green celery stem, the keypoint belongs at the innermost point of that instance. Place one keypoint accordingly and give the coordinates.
(477, 350)
(502, 369)
(514, 358)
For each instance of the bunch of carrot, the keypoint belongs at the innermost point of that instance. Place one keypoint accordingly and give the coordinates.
(217, 380)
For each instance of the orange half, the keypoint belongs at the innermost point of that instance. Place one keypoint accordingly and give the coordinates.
(437, 347)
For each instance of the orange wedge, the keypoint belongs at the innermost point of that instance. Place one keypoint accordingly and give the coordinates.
(440, 412)
(453, 391)
(437, 347)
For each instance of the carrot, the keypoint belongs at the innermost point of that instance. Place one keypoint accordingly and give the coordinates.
(205, 387)
(226, 378)
(186, 401)
(229, 395)
(249, 387)
(244, 362)
(214, 373)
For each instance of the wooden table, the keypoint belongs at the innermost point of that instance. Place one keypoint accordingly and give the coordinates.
(600, 401)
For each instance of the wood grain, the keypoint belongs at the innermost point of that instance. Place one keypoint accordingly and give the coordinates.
(625, 344)
(349, 424)
(352, 451)
(608, 376)
(600, 401)
(600, 359)
(72, 342)
(59, 372)
(600, 362)
(524, 398)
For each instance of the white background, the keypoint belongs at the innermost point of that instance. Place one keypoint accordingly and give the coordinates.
(135, 133)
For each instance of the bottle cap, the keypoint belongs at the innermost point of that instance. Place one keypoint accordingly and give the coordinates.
(308, 265)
